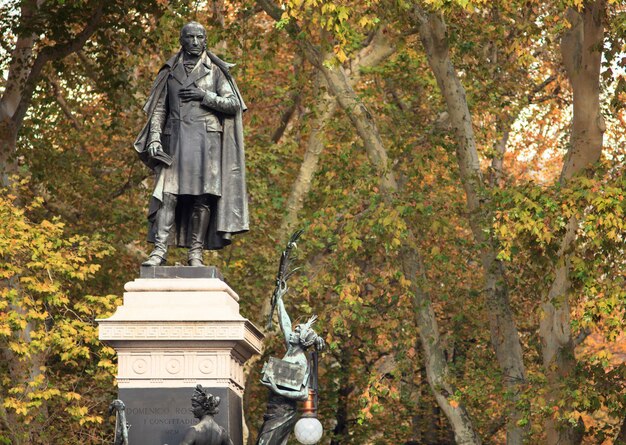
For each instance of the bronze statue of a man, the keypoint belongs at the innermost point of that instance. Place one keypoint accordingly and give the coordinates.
(206, 432)
(193, 140)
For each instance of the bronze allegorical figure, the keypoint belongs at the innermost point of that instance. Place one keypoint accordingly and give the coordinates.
(288, 379)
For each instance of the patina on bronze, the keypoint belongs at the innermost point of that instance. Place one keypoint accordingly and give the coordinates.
(207, 431)
(288, 379)
(193, 140)
(121, 425)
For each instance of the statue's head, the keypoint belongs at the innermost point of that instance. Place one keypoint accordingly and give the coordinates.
(203, 403)
(305, 335)
(193, 38)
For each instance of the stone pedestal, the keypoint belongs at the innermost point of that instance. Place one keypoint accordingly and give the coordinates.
(179, 327)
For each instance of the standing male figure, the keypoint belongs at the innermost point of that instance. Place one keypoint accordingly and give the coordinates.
(193, 140)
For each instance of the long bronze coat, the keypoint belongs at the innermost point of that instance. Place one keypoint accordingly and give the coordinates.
(194, 128)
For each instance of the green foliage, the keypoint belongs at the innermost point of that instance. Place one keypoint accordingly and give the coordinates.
(52, 355)
(531, 223)
(87, 194)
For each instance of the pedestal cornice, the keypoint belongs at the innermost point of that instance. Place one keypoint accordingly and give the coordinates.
(179, 332)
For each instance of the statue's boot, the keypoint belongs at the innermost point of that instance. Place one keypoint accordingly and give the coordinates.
(199, 226)
(164, 222)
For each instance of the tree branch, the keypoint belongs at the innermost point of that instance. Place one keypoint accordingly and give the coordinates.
(582, 336)
(88, 66)
(504, 334)
(56, 52)
(58, 94)
(294, 102)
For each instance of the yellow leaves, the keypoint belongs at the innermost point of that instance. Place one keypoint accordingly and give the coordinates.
(46, 394)
(538, 215)
(71, 396)
(406, 284)
(36, 315)
(77, 411)
(328, 8)
(80, 413)
(468, 5)
(16, 320)
(365, 22)
(38, 380)
(5, 329)
(16, 405)
(19, 348)
(91, 419)
(107, 365)
(49, 226)
(239, 264)
(339, 53)
(577, 4)
(38, 320)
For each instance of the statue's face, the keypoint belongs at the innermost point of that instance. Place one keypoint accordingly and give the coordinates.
(294, 338)
(193, 40)
(197, 410)
(300, 333)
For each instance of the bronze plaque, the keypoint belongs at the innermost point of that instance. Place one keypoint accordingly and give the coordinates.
(285, 374)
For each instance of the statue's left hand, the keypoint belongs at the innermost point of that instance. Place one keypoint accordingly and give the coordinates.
(191, 93)
(281, 289)
(274, 387)
(269, 383)
(320, 344)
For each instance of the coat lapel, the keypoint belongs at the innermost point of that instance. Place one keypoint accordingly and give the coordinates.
(178, 72)
(202, 68)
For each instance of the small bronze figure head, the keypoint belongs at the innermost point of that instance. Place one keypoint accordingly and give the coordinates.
(304, 335)
(203, 403)
(193, 38)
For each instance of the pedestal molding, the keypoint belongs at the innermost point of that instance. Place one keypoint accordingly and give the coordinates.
(171, 334)
(180, 284)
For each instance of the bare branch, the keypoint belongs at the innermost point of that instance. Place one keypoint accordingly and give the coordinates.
(58, 94)
(294, 103)
(582, 336)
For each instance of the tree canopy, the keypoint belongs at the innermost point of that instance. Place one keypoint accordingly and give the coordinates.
(458, 168)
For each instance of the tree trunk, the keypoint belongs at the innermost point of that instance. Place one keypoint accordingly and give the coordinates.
(24, 76)
(581, 50)
(436, 366)
(295, 97)
(497, 163)
(315, 144)
(342, 428)
(379, 49)
(359, 116)
(504, 334)
(19, 70)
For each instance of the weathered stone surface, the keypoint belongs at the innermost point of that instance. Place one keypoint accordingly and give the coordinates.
(170, 335)
(180, 272)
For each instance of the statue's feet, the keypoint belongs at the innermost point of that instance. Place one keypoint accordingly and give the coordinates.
(195, 262)
(154, 260)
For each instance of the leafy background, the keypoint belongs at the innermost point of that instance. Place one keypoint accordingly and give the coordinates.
(72, 212)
